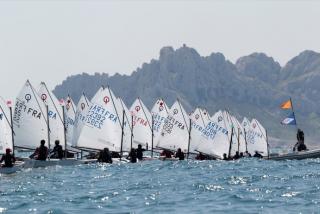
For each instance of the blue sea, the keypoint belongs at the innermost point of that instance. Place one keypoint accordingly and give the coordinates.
(242, 186)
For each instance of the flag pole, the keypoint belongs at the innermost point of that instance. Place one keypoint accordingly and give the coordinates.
(293, 113)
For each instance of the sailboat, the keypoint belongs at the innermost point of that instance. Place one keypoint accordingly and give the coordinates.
(69, 115)
(79, 121)
(142, 131)
(102, 126)
(6, 140)
(159, 113)
(256, 138)
(175, 132)
(199, 121)
(55, 116)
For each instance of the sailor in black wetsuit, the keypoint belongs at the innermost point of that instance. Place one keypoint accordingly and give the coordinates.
(179, 154)
(300, 146)
(8, 159)
(133, 156)
(257, 155)
(57, 151)
(41, 152)
(105, 156)
(236, 156)
(140, 151)
(225, 157)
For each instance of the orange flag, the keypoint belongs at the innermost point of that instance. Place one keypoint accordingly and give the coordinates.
(286, 105)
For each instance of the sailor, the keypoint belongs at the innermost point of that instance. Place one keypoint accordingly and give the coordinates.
(57, 151)
(166, 153)
(140, 151)
(115, 154)
(8, 159)
(179, 154)
(41, 152)
(225, 157)
(247, 154)
(257, 155)
(241, 155)
(105, 156)
(236, 156)
(133, 156)
(300, 146)
(201, 156)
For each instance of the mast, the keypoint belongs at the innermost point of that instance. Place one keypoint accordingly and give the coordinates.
(230, 145)
(189, 139)
(48, 127)
(131, 141)
(245, 139)
(152, 135)
(12, 132)
(64, 133)
(122, 132)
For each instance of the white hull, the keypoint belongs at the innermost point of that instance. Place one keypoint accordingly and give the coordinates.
(31, 163)
(9, 170)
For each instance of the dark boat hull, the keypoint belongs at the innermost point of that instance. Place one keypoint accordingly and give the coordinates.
(297, 155)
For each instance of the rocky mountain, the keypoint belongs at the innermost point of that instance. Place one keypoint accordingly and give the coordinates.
(254, 86)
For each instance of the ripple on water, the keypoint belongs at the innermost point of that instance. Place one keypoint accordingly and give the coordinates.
(248, 186)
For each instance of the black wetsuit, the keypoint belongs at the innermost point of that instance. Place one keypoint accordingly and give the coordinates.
(8, 160)
(105, 157)
(180, 155)
(140, 153)
(133, 157)
(42, 153)
(257, 155)
(57, 152)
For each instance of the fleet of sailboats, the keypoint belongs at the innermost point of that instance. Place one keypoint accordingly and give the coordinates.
(105, 121)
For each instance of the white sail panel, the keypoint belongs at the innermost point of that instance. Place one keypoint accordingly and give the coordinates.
(215, 139)
(70, 114)
(141, 124)
(239, 134)
(102, 127)
(79, 121)
(175, 132)
(29, 120)
(232, 132)
(56, 124)
(257, 138)
(159, 115)
(199, 123)
(5, 127)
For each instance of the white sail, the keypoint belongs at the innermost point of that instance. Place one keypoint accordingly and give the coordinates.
(206, 115)
(232, 132)
(70, 114)
(79, 121)
(175, 131)
(127, 130)
(56, 124)
(159, 113)
(5, 127)
(30, 119)
(257, 138)
(239, 135)
(246, 124)
(215, 139)
(141, 124)
(199, 123)
(102, 127)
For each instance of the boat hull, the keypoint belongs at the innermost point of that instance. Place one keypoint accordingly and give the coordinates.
(297, 155)
(31, 163)
(10, 170)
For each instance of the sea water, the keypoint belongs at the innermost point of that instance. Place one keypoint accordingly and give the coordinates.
(242, 186)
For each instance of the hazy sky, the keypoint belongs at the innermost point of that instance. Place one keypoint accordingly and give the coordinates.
(50, 40)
